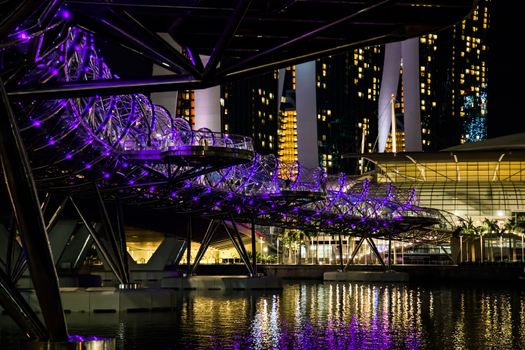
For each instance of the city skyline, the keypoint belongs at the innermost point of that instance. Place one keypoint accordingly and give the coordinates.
(453, 64)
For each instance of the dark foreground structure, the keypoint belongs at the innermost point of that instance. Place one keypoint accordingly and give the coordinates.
(74, 135)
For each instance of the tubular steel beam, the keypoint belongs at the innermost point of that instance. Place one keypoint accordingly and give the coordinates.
(227, 34)
(100, 247)
(132, 35)
(82, 250)
(157, 42)
(354, 253)
(24, 200)
(301, 38)
(122, 239)
(17, 15)
(189, 228)
(11, 231)
(20, 266)
(106, 87)
(375, 251)
(236, 234)
(254, 248)
(56, 215)
(210, 231)
(341, 250)
(16, 306)
(111, 236)
(180, 253)
(239, 246)
(389, 252)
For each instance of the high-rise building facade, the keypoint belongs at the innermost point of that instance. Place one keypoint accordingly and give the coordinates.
(287, 131)
(347, 92)
(249, 107)
(469, 69)
(452, 69)
(454, 80)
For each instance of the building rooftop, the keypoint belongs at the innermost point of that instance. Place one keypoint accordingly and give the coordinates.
(508, 148)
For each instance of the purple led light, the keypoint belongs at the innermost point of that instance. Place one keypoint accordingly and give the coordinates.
(105, 175)
(65, 14)
(191, 56)
(23, 36)
(37, 123)
(87, 166)
(54, 71)
(69, 156)
(51, 142)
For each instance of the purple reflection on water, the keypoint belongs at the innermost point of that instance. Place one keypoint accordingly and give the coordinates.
(373, 329)
(83, 338)
(334, 335)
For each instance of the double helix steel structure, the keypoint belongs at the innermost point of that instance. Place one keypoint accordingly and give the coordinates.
(127, 145)
(109, 140)
(71, 127)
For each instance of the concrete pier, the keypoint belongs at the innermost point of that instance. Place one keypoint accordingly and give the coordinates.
(221, 283)
(367, 276)
(108, 299)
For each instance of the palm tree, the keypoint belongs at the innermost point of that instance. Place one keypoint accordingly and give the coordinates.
(491, 227)
(470, 230)
(513, 226)
(293, 241)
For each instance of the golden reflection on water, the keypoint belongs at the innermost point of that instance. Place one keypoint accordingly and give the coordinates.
(328, 316)
(372, 316)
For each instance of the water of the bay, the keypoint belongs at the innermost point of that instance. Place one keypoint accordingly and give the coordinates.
(308, 315)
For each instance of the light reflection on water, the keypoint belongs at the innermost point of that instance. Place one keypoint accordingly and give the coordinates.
(319, 316)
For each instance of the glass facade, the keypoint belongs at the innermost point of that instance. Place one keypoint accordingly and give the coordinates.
(476, 189)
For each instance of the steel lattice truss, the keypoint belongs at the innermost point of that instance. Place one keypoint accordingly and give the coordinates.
(126, 145)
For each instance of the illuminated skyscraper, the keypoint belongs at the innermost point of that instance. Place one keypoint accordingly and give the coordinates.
(453, 65)
(287, 133)
(469, 67)
(347, 92)
(185, 107)
(450, 80)
(249, 107)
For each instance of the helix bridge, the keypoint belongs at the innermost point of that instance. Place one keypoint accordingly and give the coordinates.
(72, 133)
(126, 146)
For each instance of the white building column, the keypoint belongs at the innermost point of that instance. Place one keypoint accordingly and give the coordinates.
(412, 117)
(404, 53)
(166, 99)
(306, 104)
(389, 84)
(207, 106)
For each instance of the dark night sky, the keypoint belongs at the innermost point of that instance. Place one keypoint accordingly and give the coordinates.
(506, 96)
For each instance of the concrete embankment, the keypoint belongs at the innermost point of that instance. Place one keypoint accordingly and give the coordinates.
(431, 273)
